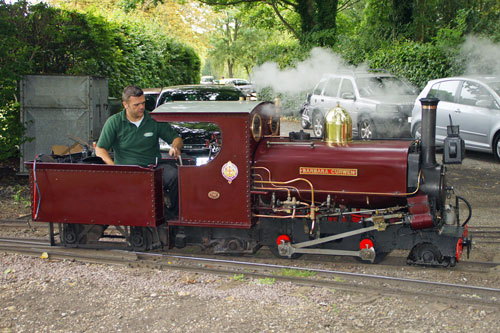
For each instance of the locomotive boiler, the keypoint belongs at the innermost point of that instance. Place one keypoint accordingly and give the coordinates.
(294, 194)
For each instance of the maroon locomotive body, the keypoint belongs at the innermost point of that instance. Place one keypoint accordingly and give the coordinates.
(294, 194)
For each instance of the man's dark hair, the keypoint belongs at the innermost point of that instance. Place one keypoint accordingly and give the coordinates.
(131, 91)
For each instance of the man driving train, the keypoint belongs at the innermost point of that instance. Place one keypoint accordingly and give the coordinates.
(133, 135)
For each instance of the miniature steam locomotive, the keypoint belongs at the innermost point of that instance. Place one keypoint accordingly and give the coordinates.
(296, 195)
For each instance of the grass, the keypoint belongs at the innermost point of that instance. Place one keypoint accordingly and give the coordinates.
(266, 281)
(239, 277)
(295, 272)
(20, 197)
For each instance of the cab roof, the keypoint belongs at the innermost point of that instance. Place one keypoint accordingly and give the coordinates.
(207, 107)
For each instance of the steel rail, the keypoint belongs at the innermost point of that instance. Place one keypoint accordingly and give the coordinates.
(327, 271)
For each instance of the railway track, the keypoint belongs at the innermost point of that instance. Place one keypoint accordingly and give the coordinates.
(480, 234)
(303, 273)
(485, 234)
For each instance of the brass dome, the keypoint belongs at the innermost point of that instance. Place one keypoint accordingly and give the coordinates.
(338, 126)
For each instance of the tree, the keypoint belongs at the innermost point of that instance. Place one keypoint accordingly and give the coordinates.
(312, 22)
(38, 39)
(316, 23)
(234, 42)
(188, 21)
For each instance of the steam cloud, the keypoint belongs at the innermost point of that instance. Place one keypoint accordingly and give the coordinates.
(303, 77)
(481, 56)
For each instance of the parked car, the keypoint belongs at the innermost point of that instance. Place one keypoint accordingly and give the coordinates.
(379, 103)
(473, 103)
(245, 86)
(151, 95)
(199, 92)
(207, 79)
(202, 141)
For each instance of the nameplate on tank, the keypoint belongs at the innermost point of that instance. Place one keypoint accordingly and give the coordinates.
(328, 171)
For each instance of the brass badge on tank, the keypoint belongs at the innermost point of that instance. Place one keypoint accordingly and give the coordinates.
(229, 171)
(214, 195)
(328, 171)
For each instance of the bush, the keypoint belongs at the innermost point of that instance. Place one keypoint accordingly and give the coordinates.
(416, 62)
(11, 131)
(37, 39)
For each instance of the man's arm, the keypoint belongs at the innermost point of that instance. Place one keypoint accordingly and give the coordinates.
(103, 153)
(176, 147)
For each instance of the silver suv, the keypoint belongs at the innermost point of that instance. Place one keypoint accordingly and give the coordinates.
(379, 103)
(473, 103)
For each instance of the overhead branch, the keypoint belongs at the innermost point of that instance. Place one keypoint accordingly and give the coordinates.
(282, 19)
(237, 2)
(346, 4)
(226, 3)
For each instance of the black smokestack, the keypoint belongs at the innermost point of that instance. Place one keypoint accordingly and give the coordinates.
(429, 106)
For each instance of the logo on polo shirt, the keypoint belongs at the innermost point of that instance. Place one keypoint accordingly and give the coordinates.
(148, 134)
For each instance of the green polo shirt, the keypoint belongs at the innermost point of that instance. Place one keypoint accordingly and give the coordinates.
(134, 145)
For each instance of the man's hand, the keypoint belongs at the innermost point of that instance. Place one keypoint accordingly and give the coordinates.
(176, 147)
(103, 153)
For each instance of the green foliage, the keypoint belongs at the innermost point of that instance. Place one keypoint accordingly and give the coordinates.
(11, 130)
(38, 39)
(296, 273)
(414, 61)
(21, 195)
(266, 281)
(239, 277)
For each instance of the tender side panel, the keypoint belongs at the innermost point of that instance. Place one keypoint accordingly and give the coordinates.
(97, 194)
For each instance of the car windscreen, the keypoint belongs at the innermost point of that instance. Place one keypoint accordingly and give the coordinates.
(240, 83)
(382, 85)
(202, 140)
(199, 95)
(151, 101)
(495, 86)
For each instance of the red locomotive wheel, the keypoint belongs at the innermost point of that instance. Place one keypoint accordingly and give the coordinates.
(367, 243)
(275, 251)
(284, 238)
(460, 248)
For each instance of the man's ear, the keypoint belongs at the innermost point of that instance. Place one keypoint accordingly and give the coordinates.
(124, 104)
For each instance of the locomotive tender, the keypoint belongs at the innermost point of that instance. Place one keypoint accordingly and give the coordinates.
(295, 194)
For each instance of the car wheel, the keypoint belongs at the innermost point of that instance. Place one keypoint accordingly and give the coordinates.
(496, 147)
(305, 124)
(417, 131)
(318, 123)
(366, 129)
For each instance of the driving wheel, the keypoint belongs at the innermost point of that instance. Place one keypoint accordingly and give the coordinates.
(140, 238)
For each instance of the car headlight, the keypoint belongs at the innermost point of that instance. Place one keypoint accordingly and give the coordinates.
(387, 108)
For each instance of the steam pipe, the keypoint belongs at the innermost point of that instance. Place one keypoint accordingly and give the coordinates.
(429, 106)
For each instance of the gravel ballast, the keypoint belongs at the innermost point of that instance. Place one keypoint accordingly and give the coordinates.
(40, 295)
